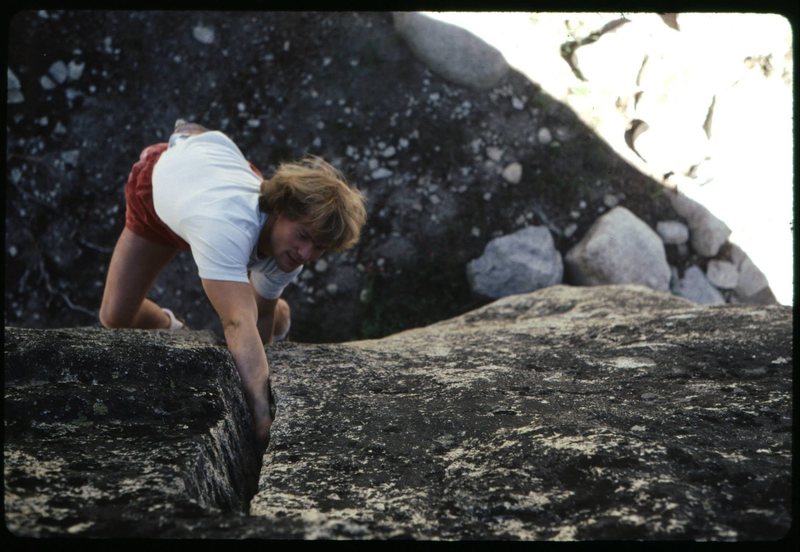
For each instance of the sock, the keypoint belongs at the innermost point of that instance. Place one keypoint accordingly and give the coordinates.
(174, 323)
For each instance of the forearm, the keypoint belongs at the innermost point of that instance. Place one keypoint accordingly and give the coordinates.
(244, 344)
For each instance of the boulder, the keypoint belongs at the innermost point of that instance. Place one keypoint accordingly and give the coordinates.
(454, 53)
(695, 286)
(571, 413)
(751, 284)
(619, 248)
(521, 262)
(672, 232)
(708, 233)
(722, 274)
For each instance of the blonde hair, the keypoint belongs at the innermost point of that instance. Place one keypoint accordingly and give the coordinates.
(315, 193)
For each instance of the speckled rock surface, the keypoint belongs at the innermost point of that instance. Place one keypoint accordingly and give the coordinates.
(569, 413)
(607, 412)
(122, 433)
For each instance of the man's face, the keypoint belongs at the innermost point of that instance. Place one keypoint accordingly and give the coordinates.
(291, 244)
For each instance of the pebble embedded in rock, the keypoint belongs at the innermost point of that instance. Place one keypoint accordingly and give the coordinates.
(544, 136)
(70, 157)
(47, 83)
(610, 201)
(493, 153)
(59, 72)
(75, 70)
(513, 173)
(380, 173)
(389, 152)
(203, 34)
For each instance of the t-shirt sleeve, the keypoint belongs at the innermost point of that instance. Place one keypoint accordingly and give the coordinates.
(219, 249)
(269, 281)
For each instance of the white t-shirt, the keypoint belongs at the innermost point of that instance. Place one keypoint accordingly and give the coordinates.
(205, 191)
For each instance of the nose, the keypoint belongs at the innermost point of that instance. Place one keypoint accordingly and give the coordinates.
(306, 251)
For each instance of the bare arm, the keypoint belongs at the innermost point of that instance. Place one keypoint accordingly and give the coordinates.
(238, 313)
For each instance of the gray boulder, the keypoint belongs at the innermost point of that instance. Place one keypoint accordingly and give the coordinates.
(450, 51)
(672, 232)
(722, 274)
(708, 233)
(695, 286)
(619, 248)
(751, 285)
(521, 262)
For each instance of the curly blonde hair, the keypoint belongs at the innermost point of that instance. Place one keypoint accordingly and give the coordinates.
(315, 193)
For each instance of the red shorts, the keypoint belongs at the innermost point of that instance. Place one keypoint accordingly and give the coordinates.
(140, 214)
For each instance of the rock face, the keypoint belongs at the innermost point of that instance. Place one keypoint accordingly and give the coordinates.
(125, 433)
(454, 53)
(522, 262)
(446, 167)
(619, 249)
(607, 412)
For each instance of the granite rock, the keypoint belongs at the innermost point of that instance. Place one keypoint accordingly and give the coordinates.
(619, 248)
(695, 286)
(122, 433)
(610, 412)
(454, 53)
(521, 262)
(571, 413)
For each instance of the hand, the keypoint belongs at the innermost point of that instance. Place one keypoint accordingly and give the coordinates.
(263, 409)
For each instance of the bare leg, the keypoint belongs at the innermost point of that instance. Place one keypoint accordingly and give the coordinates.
(135, 265)
(283, 316)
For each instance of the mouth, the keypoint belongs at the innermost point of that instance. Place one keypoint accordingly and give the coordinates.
(293, 259)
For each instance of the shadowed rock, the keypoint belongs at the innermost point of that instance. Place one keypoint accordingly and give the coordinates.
(607, 412)
(121, 433)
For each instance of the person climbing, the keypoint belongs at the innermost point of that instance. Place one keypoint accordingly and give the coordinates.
(248, 236)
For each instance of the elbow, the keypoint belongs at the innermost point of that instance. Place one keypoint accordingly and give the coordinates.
(236, 329)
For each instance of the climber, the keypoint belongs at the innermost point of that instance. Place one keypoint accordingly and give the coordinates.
(249, 237)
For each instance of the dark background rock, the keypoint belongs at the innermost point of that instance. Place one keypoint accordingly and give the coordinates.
(609, 412)
(341, 85)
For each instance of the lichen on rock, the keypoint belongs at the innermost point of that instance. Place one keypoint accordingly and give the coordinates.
(604, 412)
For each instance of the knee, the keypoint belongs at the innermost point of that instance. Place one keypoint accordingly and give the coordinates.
(283, 315)
(282, 309)
(112, 318)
